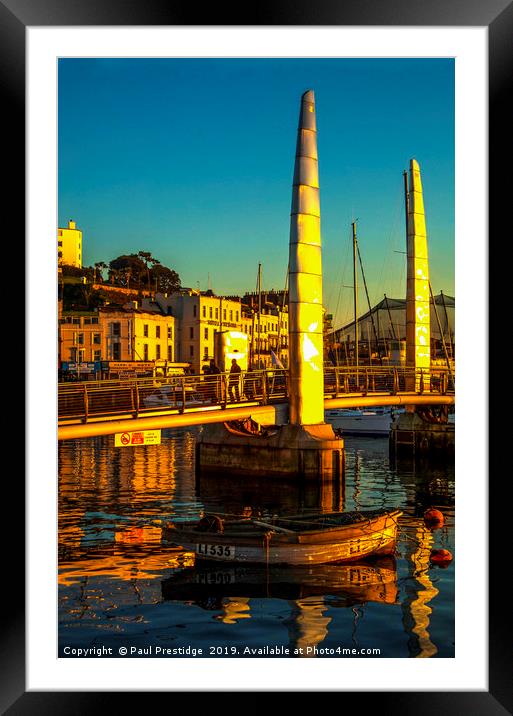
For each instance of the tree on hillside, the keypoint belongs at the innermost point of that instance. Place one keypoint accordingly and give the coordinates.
(166, 280)
(148, 259)
(143, 269)
(99, 267)
(127, 269)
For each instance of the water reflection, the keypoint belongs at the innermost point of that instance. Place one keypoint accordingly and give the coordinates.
(419, 590)
(117, 581)
(256, 496)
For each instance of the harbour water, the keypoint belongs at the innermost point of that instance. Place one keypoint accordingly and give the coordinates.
(120, 588)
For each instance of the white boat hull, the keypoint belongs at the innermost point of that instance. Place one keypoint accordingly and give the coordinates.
(360, 422)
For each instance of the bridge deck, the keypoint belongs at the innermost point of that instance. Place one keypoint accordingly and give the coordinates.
(105, 407)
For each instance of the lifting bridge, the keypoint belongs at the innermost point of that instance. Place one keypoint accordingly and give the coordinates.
(93, 408)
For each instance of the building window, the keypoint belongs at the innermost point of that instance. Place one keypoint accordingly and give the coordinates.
(145, 351)
(80, 339)
(231, 316)
(73, 354)
(224, 314)
(204, 311)
(116, 351)
(97, 355)
(145, 330)
(205, 352)
(236, 316)
(217, 314)
(170, 332)
(157, 331)
(97, 338)
(191, 333)
(194, 310)
(206, 334)
(191, 351)
(210, 312)
(75, 321)
(170, 353)
(116, 329)
(157, 351)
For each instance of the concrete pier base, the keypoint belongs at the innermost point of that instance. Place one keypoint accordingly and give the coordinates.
(302, 451)
(410, 435)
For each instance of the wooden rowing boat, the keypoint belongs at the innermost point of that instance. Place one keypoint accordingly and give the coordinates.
(312, 539)
(369, 580)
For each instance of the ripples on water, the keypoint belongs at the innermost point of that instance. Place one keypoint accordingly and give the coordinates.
(119, 586)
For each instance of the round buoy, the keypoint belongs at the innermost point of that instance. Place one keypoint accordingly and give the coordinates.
(440, 557)
(433, 518)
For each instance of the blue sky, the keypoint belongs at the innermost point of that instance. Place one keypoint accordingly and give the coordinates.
(192, 159)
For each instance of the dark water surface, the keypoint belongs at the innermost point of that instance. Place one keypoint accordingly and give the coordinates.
(121, 588)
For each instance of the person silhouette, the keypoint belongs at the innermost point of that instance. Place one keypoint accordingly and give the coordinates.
(233, 381)
(215, 380)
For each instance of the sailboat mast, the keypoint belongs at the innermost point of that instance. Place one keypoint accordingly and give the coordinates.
(369, 305)
(259, 288)
(355, 294)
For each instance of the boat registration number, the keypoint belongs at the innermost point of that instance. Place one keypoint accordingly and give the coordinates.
(215, 550)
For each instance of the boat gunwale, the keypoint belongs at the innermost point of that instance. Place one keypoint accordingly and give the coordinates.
(351, 531)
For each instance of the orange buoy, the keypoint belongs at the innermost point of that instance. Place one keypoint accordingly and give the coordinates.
(441, 557)
(433, 518)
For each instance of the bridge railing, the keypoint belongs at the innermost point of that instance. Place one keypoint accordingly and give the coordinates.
(389, 380)
(142, 396)
(139, 396)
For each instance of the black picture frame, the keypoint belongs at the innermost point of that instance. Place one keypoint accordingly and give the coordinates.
(497, 15)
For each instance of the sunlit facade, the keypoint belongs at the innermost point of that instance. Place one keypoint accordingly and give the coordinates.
(199, 315)
(117, 334)
(268, 331)
(69, 245)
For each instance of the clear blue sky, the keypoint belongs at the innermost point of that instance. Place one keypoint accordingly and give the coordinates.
(192, 159)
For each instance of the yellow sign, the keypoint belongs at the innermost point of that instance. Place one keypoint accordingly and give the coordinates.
(140, 437)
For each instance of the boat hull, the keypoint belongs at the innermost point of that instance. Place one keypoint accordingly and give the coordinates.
(355, 422)
(348, 544)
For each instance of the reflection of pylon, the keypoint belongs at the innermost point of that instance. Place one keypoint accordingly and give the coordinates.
(307, 625)
(235, 609)
(419, 592)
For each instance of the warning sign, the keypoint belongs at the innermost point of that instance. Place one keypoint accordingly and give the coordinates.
(140, 437)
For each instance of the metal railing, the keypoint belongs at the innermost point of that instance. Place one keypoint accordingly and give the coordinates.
(137, 397)
(142, 396)
(389, 380)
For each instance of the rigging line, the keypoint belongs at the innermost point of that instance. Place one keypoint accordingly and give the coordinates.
(451, 342)
(442, 336)
(343, 271)
(280, 313)
(348, 314)
(370, 307)
(390, 318)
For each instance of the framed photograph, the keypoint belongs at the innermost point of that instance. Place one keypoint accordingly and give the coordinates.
(161, 158)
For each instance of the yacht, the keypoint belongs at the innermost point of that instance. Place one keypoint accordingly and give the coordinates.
(362, 421)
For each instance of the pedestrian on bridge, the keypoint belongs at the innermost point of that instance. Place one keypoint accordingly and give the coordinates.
(214, 373)
(233, 381)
